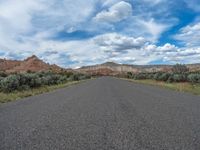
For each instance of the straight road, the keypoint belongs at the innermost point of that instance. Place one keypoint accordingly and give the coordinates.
(103, 114)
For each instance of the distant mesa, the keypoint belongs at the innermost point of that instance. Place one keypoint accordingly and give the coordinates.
(34, 64)
(112, 68)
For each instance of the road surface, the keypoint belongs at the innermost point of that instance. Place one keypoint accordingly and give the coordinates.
(103, 114)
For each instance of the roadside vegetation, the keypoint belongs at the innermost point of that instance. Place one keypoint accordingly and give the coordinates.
(16, 86)
(179, 79)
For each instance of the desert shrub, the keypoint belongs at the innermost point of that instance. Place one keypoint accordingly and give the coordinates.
(32, 80)
(157, 76)
(84, 77)
(3, 74)
(67, 74)
(164, 77)
(22, 79)
(46, 80)
(129, 75)
(1, 78)
(62, 79)
(179, 78)
(88, 77)
(74, 77)
(35, 82)
(23, 87)
(57, 79)
(150, 75)
(194, 78)
(170, 78)
(78, 76)
(167, 77)
(140, 76)
(50, 79)
(179, 68)
(10, 83)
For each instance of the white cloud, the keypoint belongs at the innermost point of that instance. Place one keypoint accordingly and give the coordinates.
(190, 35)
(172, 54)
(24, 24)
(107, 47)
(167, 48)
(27, 28)
(119, 11)
(118, 42)
(183, 55)
(153, 28)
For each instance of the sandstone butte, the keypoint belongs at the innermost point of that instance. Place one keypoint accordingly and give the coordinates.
(34, 64)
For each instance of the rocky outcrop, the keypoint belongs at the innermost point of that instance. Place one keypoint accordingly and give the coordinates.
(111, 68)
(194, 67)
(32, 64)
(8, 64)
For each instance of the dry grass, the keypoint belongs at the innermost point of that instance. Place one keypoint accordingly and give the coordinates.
(8, 97)
(181, 87)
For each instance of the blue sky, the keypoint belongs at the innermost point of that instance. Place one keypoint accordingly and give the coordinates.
(74, 33)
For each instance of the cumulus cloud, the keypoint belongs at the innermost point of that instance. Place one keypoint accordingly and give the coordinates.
(167, 48)
(118, 33)
(183, 55)
(24, 24)
(190, 35)
(173, 54)
(118, 42)
(119, 11)
(153, 28)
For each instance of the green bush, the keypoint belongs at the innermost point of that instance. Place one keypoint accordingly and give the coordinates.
(157, 76)
(32, 80)
(140, 76)
(194, 78)
(150, 75)
(170, 79)
(10, 83)
(2, 74)
(129, 75)
(84, 77)
(62, 79)
(74, 77)
(1, 78)
(179, 78)
(50, 79)
(179, 68)
(164, 77)
(67, 74)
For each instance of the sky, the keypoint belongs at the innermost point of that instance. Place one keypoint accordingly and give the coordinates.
(75, 33)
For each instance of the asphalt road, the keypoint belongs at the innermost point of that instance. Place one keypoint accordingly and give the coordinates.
(105, 114)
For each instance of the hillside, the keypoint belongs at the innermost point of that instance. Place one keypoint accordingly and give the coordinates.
(111, 68)
(33, 64)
